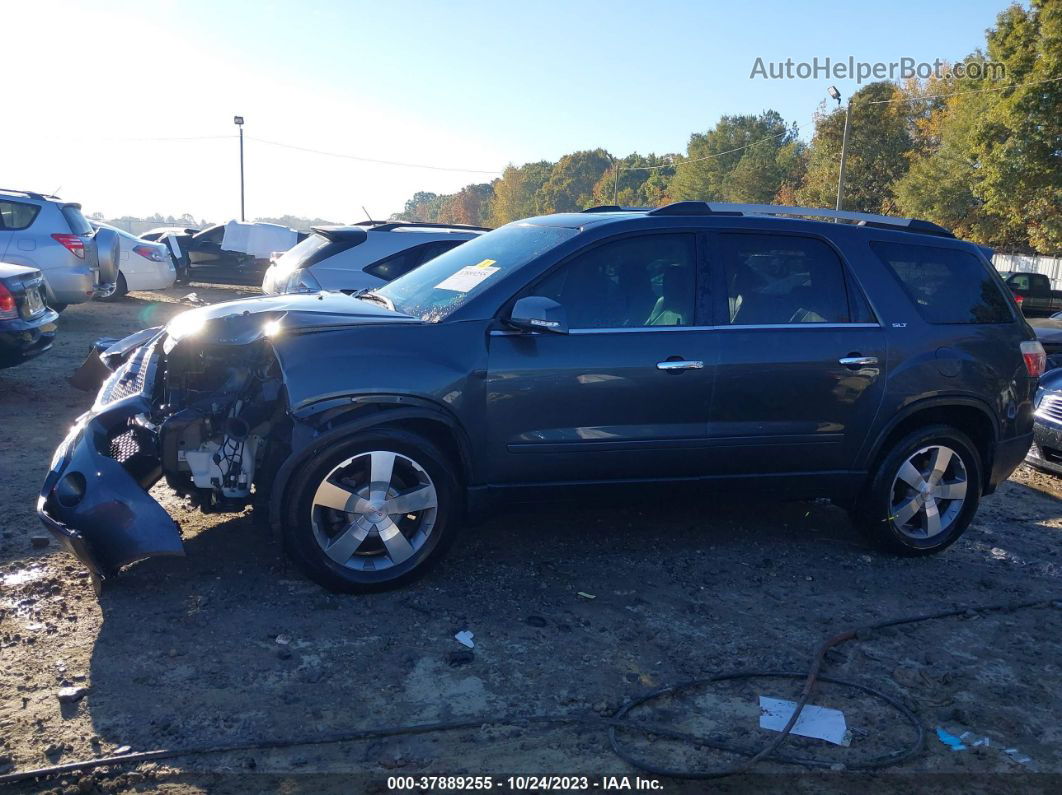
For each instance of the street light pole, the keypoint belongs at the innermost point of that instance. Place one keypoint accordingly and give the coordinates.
(844, 153)
(833, 92)
(238, 120)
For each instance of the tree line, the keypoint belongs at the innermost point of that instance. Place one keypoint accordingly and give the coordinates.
(978, 155)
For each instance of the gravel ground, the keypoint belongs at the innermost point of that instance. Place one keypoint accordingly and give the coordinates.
(232, 644)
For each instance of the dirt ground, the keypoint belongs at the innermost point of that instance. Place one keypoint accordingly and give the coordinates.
(231, 644)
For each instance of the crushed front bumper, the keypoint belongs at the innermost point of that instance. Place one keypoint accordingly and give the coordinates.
(94, 499)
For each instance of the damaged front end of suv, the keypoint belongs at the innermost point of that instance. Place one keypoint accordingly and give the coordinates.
(201, 404)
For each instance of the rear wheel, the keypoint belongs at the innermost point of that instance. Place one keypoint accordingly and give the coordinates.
(121, 289)
(371, 512)
(924, 492)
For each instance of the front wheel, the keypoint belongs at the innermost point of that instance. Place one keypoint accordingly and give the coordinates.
(924, 492)
(371, 512)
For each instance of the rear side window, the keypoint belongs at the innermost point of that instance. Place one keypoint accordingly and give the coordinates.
(947, 285)
(781, 280)
(76, 221)
(16, 215)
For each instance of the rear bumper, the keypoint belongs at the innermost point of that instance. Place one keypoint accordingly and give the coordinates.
(1009, 455)
(23, 339)
(71, 285)
(94, 499)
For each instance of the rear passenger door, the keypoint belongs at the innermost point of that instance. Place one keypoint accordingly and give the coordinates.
(801, 356)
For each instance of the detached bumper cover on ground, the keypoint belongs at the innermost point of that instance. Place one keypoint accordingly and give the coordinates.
(91, 499)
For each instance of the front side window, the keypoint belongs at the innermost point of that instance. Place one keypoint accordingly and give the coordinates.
(947, 285)
(630, 283)
(781, 280)
(16, 215)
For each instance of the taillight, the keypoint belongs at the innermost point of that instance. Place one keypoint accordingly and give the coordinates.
(148, 252)
(1035, 358)
(1019, 299)
(73, 243)
(7, 303)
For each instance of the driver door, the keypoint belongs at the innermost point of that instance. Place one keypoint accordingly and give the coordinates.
(625, 393)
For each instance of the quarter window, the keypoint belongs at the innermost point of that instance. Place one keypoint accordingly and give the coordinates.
(947, 285)
(779, 279)
(16, 215)
(634, 282)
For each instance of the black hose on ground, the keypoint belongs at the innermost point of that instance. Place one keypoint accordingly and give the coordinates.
(618, 722)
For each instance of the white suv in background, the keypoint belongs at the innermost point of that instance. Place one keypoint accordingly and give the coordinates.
(46, 233)
(361, 256)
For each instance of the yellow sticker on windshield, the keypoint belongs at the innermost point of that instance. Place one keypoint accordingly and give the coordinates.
(485, 264)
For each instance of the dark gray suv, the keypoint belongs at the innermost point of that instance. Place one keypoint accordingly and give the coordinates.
(875, 361)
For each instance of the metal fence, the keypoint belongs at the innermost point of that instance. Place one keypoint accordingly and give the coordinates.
(1051, 267)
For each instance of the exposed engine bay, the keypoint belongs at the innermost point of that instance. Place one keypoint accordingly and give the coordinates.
(216, 409)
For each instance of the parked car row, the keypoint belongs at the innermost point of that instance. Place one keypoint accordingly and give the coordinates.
(878, 362)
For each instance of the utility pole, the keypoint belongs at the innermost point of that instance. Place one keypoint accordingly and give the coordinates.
(833, 92)
(238, 121)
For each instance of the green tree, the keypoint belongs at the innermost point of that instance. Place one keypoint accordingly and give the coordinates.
(571, 182)
(1019, 148)
(741, 159)
(643, 181)
(515, 192)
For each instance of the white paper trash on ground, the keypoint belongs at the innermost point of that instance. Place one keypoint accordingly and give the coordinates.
(822, 723)
(464, 637)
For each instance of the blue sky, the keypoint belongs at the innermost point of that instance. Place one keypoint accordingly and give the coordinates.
(464, 84)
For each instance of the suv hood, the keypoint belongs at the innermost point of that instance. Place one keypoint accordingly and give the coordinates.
(247, 319)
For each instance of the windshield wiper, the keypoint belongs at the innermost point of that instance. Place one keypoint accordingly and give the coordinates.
(368, 295)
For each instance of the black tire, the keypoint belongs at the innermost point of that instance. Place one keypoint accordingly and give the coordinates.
(874, 513)
(121, 289)
(300, 536)
(58, 307)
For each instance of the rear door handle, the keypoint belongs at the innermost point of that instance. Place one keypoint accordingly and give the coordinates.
(679, 364)
(859, 361)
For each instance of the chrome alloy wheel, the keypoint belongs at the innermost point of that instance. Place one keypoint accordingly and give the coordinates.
(374, 511)
(928, 492)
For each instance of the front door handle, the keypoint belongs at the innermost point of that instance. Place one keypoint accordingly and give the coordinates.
(859, 361)
(679, 364)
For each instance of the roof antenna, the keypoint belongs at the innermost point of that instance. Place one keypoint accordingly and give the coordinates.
(371, 222)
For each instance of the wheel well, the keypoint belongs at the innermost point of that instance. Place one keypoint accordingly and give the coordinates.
(971, 421)
(438, 433)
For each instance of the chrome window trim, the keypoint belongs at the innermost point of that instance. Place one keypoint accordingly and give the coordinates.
(626, 330)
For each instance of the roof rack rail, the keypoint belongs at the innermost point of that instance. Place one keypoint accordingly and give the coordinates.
(863, 219)
(614, 208)
(31, 194)
(386, 226)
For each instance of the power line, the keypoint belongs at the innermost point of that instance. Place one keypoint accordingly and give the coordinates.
(370, 159)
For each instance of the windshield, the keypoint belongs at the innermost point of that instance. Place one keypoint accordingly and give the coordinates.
(440, 286)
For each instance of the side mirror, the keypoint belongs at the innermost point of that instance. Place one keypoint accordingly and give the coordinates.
(538, 313)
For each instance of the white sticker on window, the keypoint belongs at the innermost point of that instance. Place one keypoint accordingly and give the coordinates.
(467, 278)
